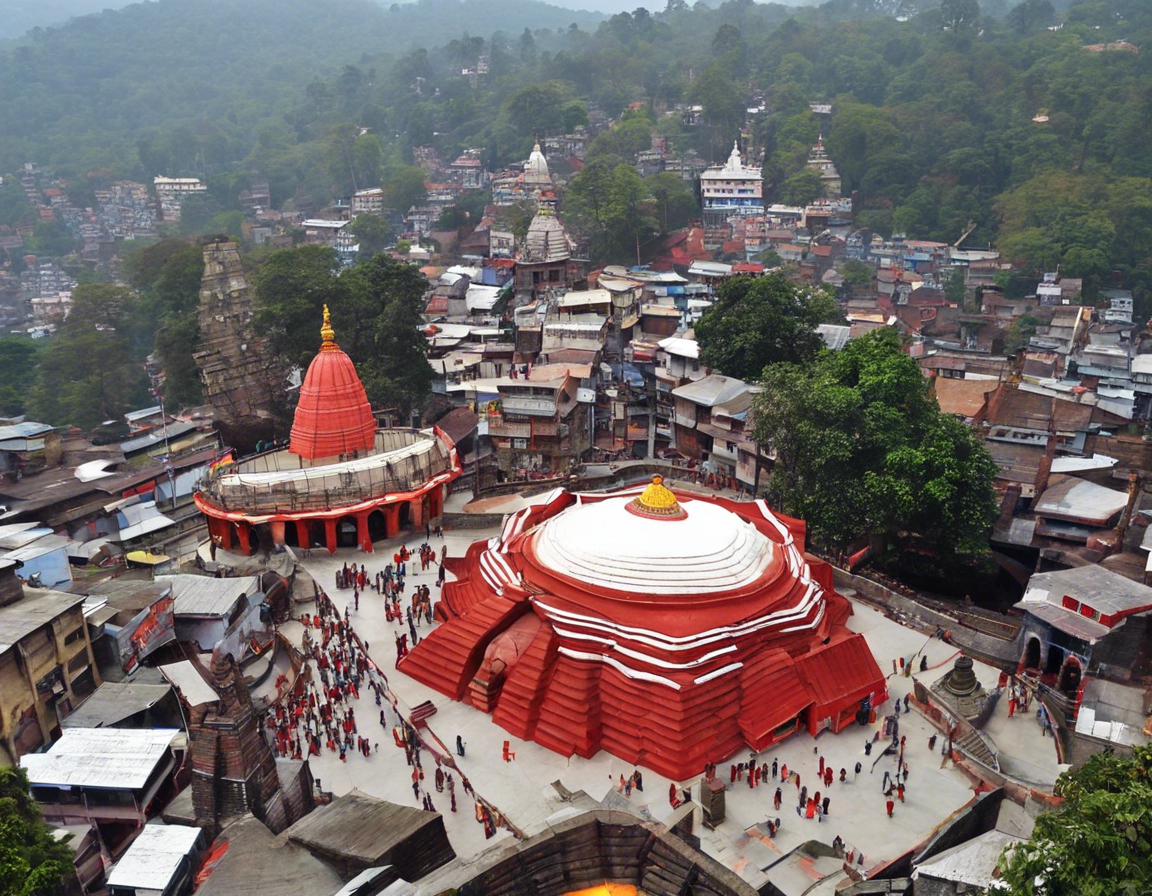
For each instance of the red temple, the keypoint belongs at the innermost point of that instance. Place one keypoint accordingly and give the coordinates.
(333, 417)
(668, 628)
(341, 483)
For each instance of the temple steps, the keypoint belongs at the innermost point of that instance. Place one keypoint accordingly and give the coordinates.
(449, 657)
(519, 702)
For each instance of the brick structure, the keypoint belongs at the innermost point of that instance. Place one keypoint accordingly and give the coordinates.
(233, 768)
(243, 380)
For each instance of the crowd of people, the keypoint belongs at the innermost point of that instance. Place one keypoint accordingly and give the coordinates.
(318, 714)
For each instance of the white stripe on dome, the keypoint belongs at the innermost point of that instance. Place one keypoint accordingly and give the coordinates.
(690, 642)
(627, 671)
(724, 671)
(643, 657)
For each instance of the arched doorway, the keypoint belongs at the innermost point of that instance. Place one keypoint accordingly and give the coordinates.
(1032, 653)
(1055, 660)
(377, 528)
(1070, 675)
(290, 538)
(346, 532)
(405, 515)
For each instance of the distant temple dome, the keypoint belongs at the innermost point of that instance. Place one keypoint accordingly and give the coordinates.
(333, 416)
(537, 165)
(546, 240)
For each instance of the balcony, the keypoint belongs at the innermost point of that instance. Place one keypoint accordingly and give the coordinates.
(499, 428)
(533, 407)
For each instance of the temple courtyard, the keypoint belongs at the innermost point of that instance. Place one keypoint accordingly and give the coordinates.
(523, 792)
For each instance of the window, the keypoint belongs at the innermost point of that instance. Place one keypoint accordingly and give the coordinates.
(74, 636)
(553, 276)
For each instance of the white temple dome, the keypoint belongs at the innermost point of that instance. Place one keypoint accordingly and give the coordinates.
(709, 550)
(537, 165)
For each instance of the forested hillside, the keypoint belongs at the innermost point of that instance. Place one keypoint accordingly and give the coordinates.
(1034, 126)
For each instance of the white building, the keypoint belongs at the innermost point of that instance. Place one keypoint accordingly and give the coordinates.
(172, 191)
(368, 202)
(731, 189)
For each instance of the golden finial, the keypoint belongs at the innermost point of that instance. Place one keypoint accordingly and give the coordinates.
(657, 500)
(327, 334)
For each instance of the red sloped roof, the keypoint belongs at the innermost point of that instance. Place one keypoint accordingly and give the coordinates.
(333, 416)
(773, 694)
(841, 673)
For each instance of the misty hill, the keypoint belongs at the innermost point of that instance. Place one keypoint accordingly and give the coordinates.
(21, 16)
(150, 63)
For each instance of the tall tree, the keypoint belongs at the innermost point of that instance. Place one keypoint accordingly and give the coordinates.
(376, 308)
(761, 321)
(91, 370)
(862, 450)
(32, 863)
(1098, 842)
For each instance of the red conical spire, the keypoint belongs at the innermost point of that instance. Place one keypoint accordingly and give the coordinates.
(333, 416)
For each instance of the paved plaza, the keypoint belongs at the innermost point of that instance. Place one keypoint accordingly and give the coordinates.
(522, 789)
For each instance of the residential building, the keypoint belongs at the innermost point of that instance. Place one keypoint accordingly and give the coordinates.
(172, 191)
(46, 663)
(695, 434)
(368, 202)
(114, 778)
(541, 421)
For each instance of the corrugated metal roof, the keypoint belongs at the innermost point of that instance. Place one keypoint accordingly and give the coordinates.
(189, 682)
(101, 758)
(972, 862)
(38, 548)
(359, 827)
(204, 596)
(23, 430)
(36, 609)
(712, 390)
(1102, 589)
(115, 701)
(156, 437)
(154, 856)
(140, 519)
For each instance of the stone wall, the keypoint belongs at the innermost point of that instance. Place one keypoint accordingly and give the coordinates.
(997, 651)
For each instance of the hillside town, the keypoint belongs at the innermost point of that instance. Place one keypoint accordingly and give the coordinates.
(557, 589)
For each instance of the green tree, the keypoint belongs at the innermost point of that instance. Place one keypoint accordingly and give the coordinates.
(291, 286)
(802, 188)
(19, 358)
(1098, 842)
(1020, 333)
(1030, 16)
(376, 311)
(50, 238)
(761, 321)
(404, 187)
(14, 205)
(32, 863)
(165, 310)
(611, 204)
(954, 288)
(395, 366)
(372, 232)
(676, 204)
(857, 275)
(862, 450)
